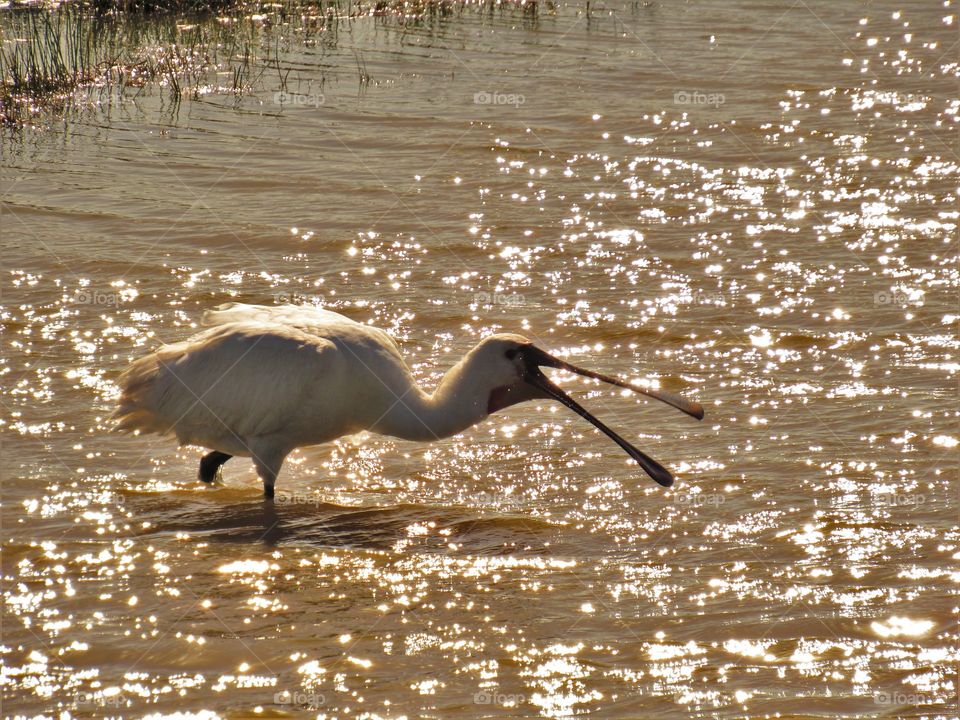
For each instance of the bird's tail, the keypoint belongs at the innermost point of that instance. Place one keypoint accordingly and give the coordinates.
(141, 391)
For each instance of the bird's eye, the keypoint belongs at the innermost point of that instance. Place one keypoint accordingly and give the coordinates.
(512, 353)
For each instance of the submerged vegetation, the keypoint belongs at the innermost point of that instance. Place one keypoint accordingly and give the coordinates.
(48, 55)
(78, 52)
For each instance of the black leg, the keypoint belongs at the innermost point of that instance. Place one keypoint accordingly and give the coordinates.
(210, 464)
(268, 492)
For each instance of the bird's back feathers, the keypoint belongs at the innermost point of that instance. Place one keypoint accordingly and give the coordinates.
(303, 316)
(253, 373)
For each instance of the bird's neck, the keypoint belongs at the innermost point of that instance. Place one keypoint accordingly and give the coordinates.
(457, 404)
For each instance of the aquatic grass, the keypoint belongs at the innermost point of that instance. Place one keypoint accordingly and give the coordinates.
(160, 6)
(47, 54)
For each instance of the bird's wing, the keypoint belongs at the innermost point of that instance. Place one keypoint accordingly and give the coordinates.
(240, 380)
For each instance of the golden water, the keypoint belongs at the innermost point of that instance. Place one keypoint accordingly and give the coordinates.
(753, 204)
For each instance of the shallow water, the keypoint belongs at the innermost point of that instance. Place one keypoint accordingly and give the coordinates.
(752, 204)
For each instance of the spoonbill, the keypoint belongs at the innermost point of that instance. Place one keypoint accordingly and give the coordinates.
(261, 381)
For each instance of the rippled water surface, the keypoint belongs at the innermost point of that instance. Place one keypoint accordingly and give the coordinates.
(754, 204)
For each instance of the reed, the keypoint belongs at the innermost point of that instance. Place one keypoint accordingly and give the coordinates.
(46, 53)
(49, 53)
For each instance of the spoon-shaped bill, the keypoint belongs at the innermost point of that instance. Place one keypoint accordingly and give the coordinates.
(654, 469)
(693, 409)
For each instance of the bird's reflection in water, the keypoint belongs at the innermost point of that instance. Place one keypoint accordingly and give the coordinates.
(254, 521)
(289, 519)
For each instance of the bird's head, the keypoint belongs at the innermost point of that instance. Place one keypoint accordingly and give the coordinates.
(511, 367)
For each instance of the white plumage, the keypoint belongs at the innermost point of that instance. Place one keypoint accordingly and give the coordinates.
(261, 381)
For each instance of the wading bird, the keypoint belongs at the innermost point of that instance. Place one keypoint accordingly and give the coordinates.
(262, 381)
